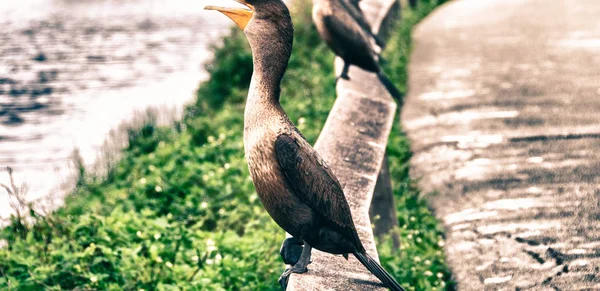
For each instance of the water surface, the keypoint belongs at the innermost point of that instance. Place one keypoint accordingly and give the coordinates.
(73, 70)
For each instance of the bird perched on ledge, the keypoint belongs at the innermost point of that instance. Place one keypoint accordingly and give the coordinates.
(343, 27)
(295, 185)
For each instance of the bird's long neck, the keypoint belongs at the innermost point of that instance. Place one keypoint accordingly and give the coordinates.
(271, 49)
(265, 87)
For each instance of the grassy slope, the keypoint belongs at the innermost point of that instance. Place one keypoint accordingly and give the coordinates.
(179, 211)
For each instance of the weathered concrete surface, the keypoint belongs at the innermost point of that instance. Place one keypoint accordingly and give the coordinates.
(504, 118)
(353, 143)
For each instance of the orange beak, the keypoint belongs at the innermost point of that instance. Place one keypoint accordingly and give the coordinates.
(240, 16)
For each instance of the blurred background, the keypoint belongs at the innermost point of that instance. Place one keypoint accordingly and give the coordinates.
(73, 71)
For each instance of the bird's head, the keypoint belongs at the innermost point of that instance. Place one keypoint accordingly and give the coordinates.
(268, 27)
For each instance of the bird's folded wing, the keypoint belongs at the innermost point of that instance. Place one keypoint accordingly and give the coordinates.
(359, 17)
(356, 14)
(347, 33)
(315, 184)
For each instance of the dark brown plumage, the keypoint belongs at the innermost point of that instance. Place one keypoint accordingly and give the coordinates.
(353, 7)
(343, 27)
(295, 185)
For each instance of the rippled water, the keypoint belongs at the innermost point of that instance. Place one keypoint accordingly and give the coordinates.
(72, 70)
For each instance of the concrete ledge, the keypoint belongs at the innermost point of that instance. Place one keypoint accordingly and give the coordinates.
(353, 143)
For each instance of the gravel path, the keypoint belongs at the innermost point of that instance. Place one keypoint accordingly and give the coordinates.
(71, 71)
(503, 115)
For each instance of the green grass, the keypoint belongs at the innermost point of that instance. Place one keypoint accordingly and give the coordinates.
(179, 211)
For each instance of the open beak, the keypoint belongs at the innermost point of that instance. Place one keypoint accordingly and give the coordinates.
(240, 16)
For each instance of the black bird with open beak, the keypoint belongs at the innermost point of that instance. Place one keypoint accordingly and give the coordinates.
(295, 185)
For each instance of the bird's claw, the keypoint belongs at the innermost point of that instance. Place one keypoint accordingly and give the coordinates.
(285, 277)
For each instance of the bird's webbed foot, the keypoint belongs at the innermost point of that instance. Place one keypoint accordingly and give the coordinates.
(291, 250)
(298, 268)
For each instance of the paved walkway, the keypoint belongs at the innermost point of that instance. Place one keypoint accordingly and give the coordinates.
(504, 118)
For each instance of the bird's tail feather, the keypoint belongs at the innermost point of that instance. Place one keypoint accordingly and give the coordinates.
(394, 91)
(378, 271)
(379, 41)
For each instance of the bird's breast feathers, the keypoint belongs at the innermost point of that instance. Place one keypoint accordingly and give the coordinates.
(260, 154)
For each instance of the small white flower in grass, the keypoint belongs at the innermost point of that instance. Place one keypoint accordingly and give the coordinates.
(412, 218)
(419, 240)
(169, 264)
(211, 139)
(443, 284)
(428, 273)
(205, 178)
(221, 211)
(94, 279)
(141, 289)
(195, 258)
(417, 259)
(210, 245)
(159, 260)
(441, 243)
(157, 236)
(209, 262)
(427, 262)
(301, 120)
(143, 181)
(158, 188)
(203, 205)
(152, 168)
(139, 234)
(440, 275)
(218, 258)
(227, 166)
(221, 135)
(409, 236)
